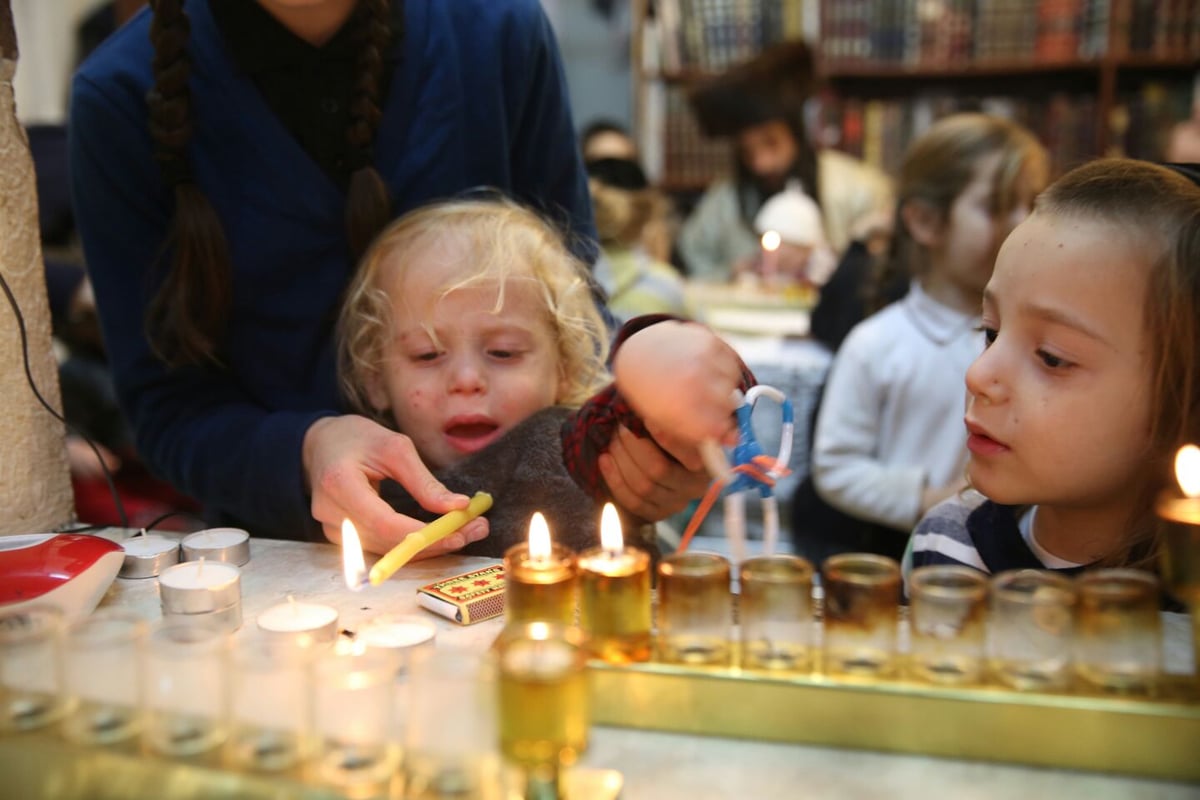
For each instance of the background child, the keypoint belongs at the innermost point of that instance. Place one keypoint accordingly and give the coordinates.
(626, 208)
(1090, 381)
(472, 329)
(887, 446)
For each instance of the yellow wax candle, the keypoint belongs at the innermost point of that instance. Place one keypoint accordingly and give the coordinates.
(435, 531)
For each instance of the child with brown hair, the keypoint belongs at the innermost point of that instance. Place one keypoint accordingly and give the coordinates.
(1090, 380)
(471, 328)
(885, 449)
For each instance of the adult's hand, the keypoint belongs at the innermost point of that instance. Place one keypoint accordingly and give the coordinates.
(346, 457)
(645, 481)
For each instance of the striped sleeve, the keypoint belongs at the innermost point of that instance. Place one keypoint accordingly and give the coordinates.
(941, 537)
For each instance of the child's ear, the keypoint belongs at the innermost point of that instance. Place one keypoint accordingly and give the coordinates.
(924, 222)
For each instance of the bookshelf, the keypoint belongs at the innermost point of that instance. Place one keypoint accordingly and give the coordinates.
(1089, 77)
(678, 43)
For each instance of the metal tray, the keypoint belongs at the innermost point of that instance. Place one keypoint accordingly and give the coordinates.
(1157, 738)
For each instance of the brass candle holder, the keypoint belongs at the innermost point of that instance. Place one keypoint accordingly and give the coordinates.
(543, 702)
(539, 579)
(614, 596)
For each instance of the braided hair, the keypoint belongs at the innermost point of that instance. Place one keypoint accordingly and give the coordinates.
(187, 317)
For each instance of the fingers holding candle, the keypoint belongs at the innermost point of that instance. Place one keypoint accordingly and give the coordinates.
(438, 530)
(345, 458)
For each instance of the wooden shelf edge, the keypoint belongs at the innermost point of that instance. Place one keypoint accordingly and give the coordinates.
(1002, 69)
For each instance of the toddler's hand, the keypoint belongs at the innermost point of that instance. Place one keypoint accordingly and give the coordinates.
(680, 378)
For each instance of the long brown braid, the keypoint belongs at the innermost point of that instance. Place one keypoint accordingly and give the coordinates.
(187, 317)
(188, 313)
(368, 205)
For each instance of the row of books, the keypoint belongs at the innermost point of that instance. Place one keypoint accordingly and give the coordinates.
(1161, 27)
(690, 158)
(879, 131)
(712, 35)
(947, 33)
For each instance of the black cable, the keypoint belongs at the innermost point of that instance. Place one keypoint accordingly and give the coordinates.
(112, 487)
(180, 513)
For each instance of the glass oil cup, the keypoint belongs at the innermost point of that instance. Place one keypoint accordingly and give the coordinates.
(450, 731)
(862, 597)
(614, 604)
(948, 624)
(186, 688)
(775, 613)
(539, 588)
(270, 704)
(30, 668)
(1030, 629)
(543, 702)
(695, 614)
(353, 690)
(1118, 631)
(105, 669)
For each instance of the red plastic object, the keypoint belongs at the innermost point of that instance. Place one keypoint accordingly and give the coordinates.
(68, 570)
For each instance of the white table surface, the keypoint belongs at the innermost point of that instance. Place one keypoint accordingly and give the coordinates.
(658, 766)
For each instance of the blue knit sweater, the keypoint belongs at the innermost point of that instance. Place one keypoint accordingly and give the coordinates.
(477, 98)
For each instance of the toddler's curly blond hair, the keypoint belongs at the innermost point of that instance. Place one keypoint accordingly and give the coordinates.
(505, 241)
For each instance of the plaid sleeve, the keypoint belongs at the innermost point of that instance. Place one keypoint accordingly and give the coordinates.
(587, 434)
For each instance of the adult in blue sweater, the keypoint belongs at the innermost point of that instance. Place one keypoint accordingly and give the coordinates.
(230, 160)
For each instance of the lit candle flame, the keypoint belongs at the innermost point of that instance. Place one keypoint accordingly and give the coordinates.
(539, 538)
(771, 241)
(610, 531)
(354, 568)
(1187, 469)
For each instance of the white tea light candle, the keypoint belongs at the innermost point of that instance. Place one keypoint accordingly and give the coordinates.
(405, 635)
(293, 620)
(147, 556)
(230, 545)
(200, 591)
